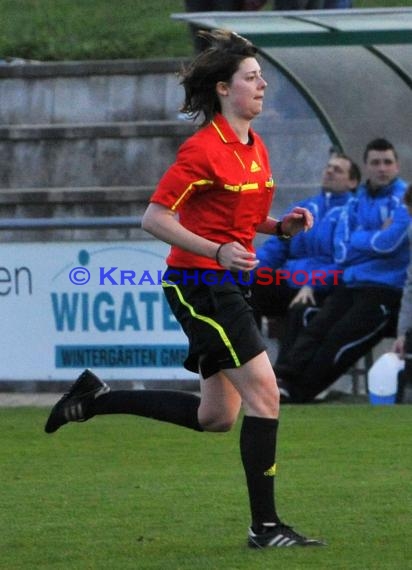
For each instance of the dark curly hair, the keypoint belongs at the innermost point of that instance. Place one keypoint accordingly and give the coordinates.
(216, 63)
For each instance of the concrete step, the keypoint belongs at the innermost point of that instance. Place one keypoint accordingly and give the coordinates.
(92, 194)
(89, 91)
(114, 123)
(108, 154)
(54, 204)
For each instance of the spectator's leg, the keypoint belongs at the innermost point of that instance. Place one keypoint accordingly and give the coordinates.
(298, 4)
(298, 317)
(316, 5)
(226, 5)
(342, 344)
(208, 6)
(270, 300)
(310, 338)
(284, 5)
(337, 4)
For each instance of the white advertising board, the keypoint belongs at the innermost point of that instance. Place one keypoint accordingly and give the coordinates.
(70, 306)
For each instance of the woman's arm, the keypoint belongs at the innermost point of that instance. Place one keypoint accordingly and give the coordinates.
(293, 222)
(163, 223)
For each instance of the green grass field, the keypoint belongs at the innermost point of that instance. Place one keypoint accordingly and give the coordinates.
(102, 29)
(125, 493)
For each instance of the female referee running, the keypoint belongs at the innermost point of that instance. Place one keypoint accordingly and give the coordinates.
(208, 206)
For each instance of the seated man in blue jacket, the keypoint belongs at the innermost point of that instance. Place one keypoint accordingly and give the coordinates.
(372, 246)
(302, 270)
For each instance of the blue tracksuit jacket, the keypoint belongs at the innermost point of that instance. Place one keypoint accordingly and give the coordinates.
(308, 251)
(371, 254)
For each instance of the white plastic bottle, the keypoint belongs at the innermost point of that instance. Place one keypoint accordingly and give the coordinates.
(383, 379)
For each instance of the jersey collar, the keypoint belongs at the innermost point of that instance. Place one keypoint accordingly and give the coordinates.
(225, 131)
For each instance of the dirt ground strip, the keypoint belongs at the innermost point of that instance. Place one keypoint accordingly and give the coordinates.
(17, 400)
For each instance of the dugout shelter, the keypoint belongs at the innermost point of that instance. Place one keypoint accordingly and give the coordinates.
(337, 78)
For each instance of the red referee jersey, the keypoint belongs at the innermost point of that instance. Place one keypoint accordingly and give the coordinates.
(221, 188)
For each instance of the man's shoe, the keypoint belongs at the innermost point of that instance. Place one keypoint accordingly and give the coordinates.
(279, 535)
(72, 407)
(284, 392)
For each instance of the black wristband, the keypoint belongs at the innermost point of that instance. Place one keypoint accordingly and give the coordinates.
(278, 231)
(217, 252)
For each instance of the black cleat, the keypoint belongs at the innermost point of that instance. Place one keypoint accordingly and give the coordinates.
(72, 407)
(279, 535)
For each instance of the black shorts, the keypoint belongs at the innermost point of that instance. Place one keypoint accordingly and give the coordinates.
(217, 319)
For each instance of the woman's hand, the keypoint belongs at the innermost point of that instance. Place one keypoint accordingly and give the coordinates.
(399, 346)
(305, 296)
(297, 220)
(235, 257)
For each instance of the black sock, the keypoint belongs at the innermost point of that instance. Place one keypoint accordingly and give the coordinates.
(176, 407)
(258, 452)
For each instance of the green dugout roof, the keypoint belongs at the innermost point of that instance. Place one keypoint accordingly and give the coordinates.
(312, 27)
(353, 67)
